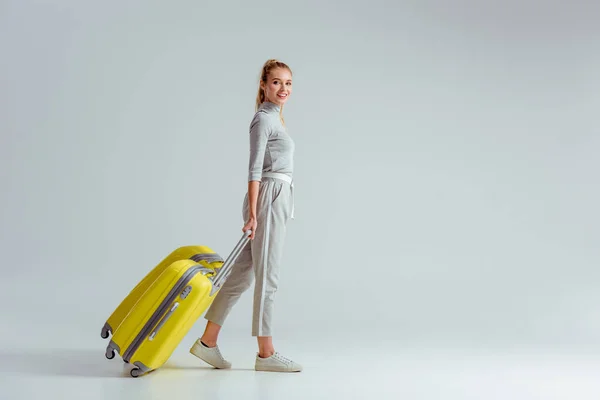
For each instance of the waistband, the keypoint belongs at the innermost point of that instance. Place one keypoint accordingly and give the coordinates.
(278, 175)
(286, 178)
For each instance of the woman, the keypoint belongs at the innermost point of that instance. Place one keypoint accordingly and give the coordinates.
(268, 205)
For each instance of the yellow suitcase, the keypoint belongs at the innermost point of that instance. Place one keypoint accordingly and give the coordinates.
(202, 254)
(156, 315)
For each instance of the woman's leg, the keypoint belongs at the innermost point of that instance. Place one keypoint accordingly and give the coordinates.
(265, 346)
(274, 203)
(211, 334)
(238, 281)
(267, 249)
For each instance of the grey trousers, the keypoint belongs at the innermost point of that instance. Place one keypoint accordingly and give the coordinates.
(260, 260)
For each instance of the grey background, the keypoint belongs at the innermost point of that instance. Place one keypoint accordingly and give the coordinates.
(446, 165)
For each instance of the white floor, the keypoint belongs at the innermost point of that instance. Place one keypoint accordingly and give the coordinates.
(49, 353)
(334, 369)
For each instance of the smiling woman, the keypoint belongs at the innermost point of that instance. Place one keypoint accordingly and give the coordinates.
(268, 206)
(275, 85)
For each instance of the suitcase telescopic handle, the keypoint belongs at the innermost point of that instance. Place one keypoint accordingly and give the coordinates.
(225, 269)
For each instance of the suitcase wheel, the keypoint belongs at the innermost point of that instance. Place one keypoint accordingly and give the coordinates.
(105, 331)
(110, 353)
(135, 372)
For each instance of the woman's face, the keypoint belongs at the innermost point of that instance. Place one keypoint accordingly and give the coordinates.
(278, 87)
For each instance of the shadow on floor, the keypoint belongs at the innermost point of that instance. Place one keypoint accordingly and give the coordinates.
(76, 363)
(62, 362)
(172, 366)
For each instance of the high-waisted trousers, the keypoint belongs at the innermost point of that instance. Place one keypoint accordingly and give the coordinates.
(260, 260)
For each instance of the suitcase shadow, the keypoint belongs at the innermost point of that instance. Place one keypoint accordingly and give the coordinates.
(184, 367)
(62, 362)
(83, 363)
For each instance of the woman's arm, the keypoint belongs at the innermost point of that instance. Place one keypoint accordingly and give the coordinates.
(260, 131)
(252, 197)
(252, 200)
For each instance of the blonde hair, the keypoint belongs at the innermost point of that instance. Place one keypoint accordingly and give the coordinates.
(266, 70)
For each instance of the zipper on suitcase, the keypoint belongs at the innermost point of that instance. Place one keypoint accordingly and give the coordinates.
(161, 310)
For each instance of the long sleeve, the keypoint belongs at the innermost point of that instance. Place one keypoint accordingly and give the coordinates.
(260, 131)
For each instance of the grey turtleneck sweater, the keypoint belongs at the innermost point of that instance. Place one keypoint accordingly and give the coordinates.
(271, 148)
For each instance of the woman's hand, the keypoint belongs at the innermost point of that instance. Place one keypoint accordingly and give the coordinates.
(251, 224)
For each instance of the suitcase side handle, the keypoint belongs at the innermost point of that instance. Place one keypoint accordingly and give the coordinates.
(208, 257)
(223, 272)
(162, 322)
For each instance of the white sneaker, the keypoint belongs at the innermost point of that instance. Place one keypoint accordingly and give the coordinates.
(276, 363)
(210, 355)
